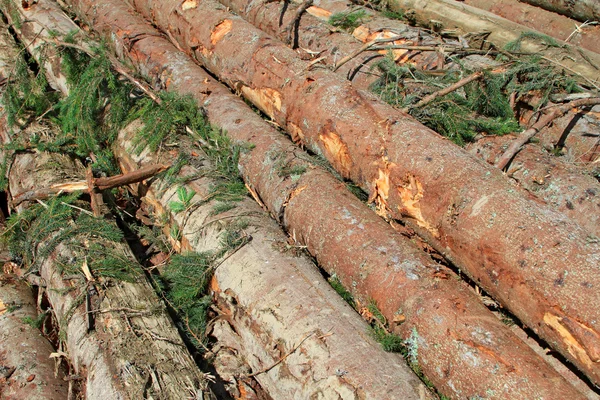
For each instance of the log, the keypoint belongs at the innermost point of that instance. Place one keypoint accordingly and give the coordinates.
(518, 254)
(272, 299)
(411, 286)
(549, 23)
(313, 35)
(26, 369)
(583, 10)
(451, 14)
(566, 186)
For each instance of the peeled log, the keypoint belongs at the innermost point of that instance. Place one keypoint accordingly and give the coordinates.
(583, 10)
(549, 23)
(412, 281)
(452, 14)
(518, 254)
(564, 185)
(127, 353)
(272, 299)
(26, 369)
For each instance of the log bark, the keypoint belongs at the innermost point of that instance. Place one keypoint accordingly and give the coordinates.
(518, 253)
(583, 10)
(454, 15)
(564, 185)
(411, 286)
(273, 300)
(549, 23)
(26, 369)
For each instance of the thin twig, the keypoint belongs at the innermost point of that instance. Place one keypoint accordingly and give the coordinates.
(557, 112)
(433, 96)
(363, 48)
(289, 353)
(295, 22)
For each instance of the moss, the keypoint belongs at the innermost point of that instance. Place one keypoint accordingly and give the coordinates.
(348, 20)
(336, 284)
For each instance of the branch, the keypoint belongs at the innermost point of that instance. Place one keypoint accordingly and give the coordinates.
(364, 47)
(99, 183)
(524, 137)
(440, 93)
(296, 20)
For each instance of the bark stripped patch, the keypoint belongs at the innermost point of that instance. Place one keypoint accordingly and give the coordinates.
(381, 190)
(578, 348)
(410, 195)
(296, 134)
(3, 307)
(267, 99)
(189, 4)
(219, 31)
(318, 12)
(365, 35)
(338, 152)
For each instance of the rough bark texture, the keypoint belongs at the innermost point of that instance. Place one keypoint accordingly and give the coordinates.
(454, 15)
(26, 369)
(35, 25)
(519, 254)
(333, 45)
(560, 183)
(549, 23)
(477, 342)
(579, 202)
(583, 10)
(273, 298)
(134, 350)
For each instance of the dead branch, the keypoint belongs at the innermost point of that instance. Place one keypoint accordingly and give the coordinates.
(289, 353)
(363, 48)
(98, 183)
(296, 20)
(557, 112)
(440, 93)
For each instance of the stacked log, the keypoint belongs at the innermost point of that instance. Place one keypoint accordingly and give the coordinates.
(167, 68)
(411, 173)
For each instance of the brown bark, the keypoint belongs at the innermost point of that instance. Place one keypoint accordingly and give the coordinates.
(26, 369)
(549, 23)
(563, 184)
(583, 10)
(272, 299)
(413, 279)
(454, 15)
(519, 254)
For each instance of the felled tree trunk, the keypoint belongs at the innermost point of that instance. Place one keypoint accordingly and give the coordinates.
(572, 192)
(562, 184)
(451, 14)
(549, 23)
(273, 300)
(132, 348)
(394, 275)
(26, 369)
(583, 10)
(519, 254)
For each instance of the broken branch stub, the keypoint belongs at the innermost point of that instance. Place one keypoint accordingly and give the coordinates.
(263, 169)
(518, 253)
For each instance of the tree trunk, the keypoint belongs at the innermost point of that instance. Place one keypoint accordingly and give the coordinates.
(519, 254)
(583, 10)
(26, 369)
(558, 26)
(562, 184)
(571, 186)
(412, 287)
(273, 299)
(454, 15)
